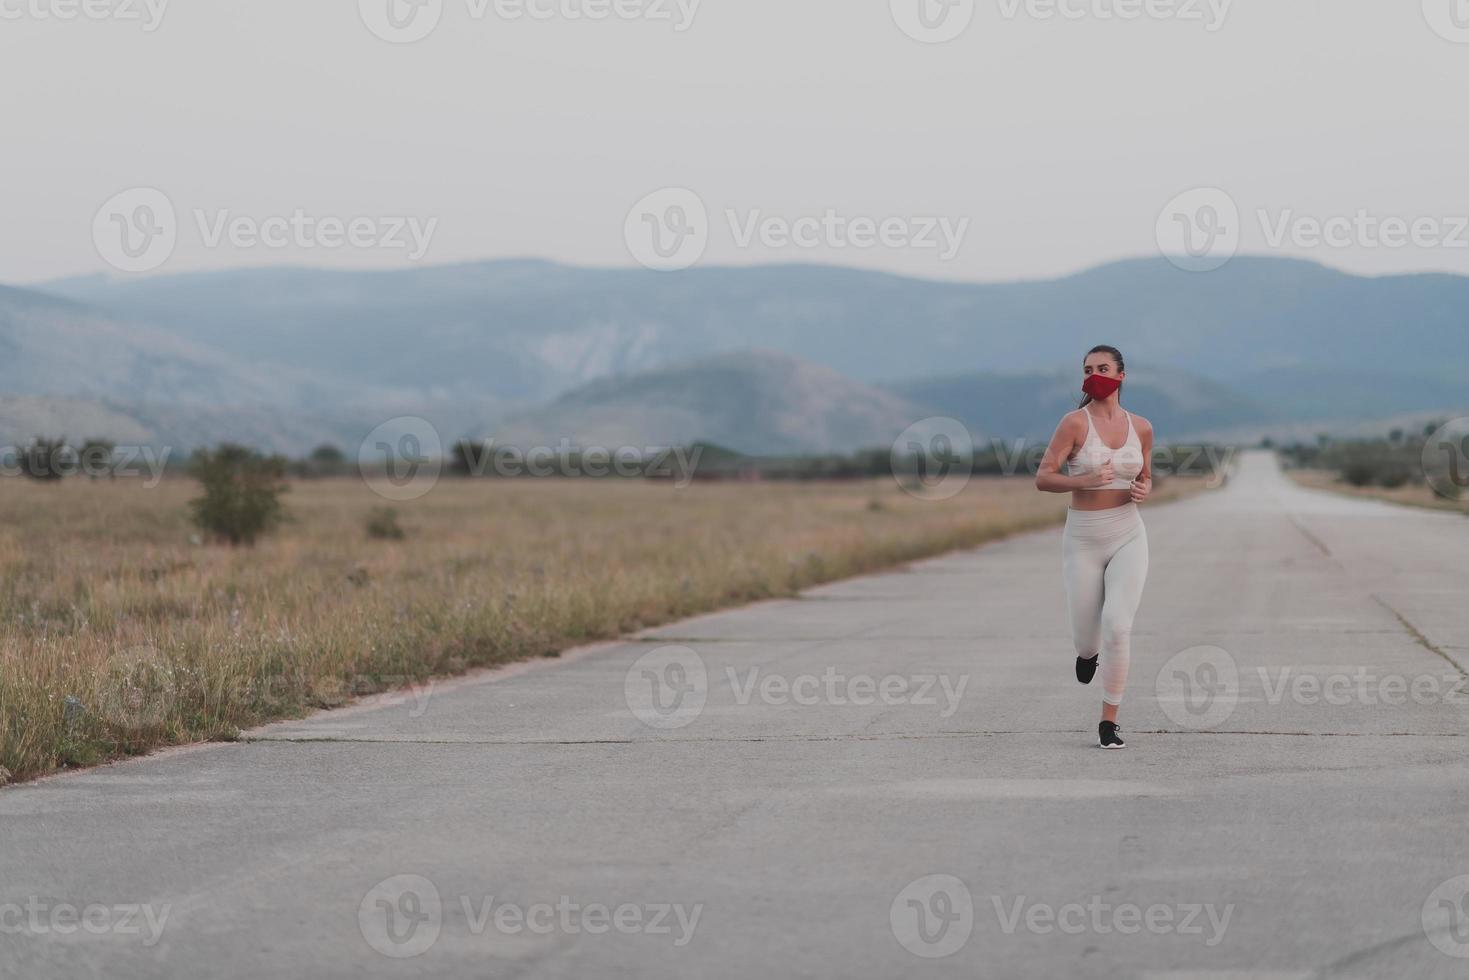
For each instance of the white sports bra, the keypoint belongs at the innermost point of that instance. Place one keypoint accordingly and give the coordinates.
(1127, 462)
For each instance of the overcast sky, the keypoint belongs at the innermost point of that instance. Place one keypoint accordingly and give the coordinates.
(1046, 145)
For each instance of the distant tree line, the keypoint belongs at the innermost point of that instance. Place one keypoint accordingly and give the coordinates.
(56, 459)
(53, 459)
(242, 489)
(1391, 462)
(998, 459)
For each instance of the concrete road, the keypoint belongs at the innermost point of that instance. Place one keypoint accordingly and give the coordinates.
(894, 776)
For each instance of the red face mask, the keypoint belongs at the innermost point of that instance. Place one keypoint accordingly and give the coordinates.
(1101, 386)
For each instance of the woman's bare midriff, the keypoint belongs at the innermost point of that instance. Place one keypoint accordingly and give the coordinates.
(1100, 499)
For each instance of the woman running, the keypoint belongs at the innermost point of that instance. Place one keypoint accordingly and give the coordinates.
(1102, 456)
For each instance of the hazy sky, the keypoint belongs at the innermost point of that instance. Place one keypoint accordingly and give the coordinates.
(1059, 139)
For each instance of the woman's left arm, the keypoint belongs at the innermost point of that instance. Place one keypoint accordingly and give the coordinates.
(1143, 485)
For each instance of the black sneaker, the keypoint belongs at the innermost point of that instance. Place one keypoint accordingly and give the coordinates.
(1108, 736)
(1086, 669)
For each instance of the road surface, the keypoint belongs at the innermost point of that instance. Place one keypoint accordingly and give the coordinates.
(894, 776)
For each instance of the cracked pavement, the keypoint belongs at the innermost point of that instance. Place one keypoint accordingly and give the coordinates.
(1296, 769)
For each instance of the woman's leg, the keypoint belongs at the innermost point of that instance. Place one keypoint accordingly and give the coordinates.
(1082, 567)
(1124, 578)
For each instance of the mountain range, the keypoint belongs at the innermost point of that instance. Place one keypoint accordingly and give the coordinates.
(771, 359)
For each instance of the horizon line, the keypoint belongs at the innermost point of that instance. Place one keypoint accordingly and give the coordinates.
(112, 277)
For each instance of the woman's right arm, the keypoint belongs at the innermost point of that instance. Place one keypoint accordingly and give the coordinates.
(1068, 437)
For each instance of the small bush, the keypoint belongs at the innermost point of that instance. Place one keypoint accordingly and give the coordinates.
(1394, 474)
(1365, 464)
(98, 458)
(242, 492)
(382, 524)
(48, 459)
(325, 460)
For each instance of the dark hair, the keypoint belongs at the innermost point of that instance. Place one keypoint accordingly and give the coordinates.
(1116, 356)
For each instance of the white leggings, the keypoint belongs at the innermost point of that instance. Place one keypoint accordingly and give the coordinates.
(1104, 559)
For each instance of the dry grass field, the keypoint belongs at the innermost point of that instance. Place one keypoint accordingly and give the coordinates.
(120, 632)
(1413, 495)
